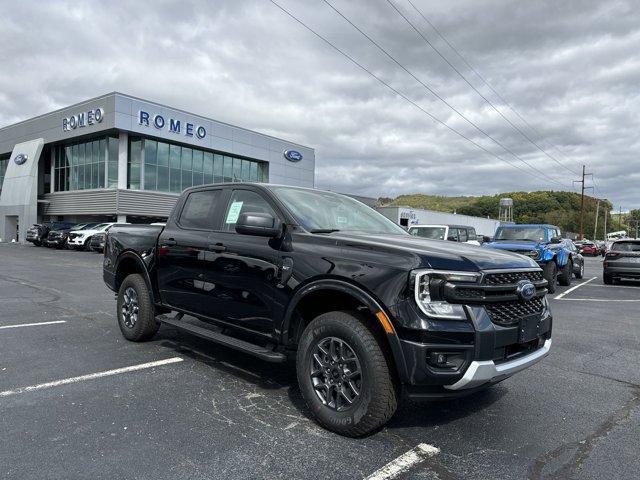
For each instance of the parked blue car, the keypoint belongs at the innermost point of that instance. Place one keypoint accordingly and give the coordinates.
(543, 244)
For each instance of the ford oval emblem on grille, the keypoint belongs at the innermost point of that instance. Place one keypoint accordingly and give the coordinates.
(21, 158)
(292, 155)
(526, 290)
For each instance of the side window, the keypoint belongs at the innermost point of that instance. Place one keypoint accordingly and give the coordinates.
(244, 201)
(463, 235)
(453, 235)
(199, 210)
(472, 234)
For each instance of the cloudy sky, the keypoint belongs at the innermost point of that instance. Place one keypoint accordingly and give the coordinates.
(571, 70)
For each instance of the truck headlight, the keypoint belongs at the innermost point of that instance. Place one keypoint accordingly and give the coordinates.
(426, 284)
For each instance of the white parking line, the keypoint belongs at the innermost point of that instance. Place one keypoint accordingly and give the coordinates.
(597, 300)
(32, 324)
(573, 288)
(404, 462)
(90, 376)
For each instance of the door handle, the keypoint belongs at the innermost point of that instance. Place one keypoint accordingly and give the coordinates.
(217, 247)
(170, 242)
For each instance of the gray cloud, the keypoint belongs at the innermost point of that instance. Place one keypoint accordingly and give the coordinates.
(572, 69)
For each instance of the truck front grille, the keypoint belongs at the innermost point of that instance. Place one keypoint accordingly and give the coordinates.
(498, 293)
(503, 278)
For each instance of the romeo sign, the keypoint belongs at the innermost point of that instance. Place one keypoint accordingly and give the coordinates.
(82, 119)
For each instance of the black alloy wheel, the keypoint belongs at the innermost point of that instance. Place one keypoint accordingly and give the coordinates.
(336, 374)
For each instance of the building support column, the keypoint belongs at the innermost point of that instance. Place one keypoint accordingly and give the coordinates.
(52, 173)
(123, 155)
(123, 177)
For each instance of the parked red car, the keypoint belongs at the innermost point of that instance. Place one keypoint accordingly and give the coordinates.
(588, 248)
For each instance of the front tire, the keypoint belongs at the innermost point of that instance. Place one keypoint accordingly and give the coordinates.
(565, 277)
(344, 375)
(136, 315)
(549, 272)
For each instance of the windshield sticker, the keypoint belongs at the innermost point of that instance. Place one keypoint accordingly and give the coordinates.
(342, 220)
(234, 212)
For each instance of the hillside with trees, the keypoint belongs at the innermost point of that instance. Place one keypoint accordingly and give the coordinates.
(557, 208)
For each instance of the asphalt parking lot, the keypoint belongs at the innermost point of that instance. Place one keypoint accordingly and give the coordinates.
(79, 401)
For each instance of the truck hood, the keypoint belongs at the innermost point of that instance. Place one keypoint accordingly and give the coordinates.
(514, 245)
(436, 254)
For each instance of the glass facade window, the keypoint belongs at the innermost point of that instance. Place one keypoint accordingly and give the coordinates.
(86, 165)
(4, 161)
(166, 167)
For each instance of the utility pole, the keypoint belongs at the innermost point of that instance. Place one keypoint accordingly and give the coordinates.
(595, 228)
(606, 214)
(581, 182)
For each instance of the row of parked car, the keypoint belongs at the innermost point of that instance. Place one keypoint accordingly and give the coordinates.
(560, 258)
(82, 236)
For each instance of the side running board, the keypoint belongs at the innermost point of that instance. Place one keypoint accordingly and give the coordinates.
(226, 340)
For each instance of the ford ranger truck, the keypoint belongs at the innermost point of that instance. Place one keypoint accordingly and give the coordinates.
(370, 313)
(543, 244)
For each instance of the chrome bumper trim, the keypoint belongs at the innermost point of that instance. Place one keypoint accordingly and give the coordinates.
(480, 372)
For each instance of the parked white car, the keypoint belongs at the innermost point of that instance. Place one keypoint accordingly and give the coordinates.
(454, 233)
(80, 239)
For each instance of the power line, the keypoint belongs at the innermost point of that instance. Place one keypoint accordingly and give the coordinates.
(500, 97)
(392, 58)
(489, 102)
(400, 94)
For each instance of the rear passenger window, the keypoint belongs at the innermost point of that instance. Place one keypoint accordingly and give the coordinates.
(244, 201)
(199, 210)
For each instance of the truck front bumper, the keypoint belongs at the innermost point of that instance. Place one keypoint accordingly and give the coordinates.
(487, 371)
(477, 353)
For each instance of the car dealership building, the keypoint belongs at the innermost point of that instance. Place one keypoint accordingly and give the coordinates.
(120, 158)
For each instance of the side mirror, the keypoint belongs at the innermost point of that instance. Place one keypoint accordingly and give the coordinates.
(452, 239)
(258, 224)
(555, 240)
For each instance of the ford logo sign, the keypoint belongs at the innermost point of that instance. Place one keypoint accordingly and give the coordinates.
(526, 290)
(292, 155)
(21, 158)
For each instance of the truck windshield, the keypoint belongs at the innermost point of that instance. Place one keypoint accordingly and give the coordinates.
(326, 212)
(534, 234)
(434, 233)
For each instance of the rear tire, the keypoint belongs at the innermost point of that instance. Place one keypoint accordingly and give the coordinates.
(550, 274)
(580, 273)
(336, 346)
(37, 243)
(566, 275)
(607, 279)
(136, 315)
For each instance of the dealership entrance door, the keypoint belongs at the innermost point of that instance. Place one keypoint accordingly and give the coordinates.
(11, 227)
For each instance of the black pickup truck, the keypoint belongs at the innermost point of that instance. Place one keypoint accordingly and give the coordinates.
(369, 312)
